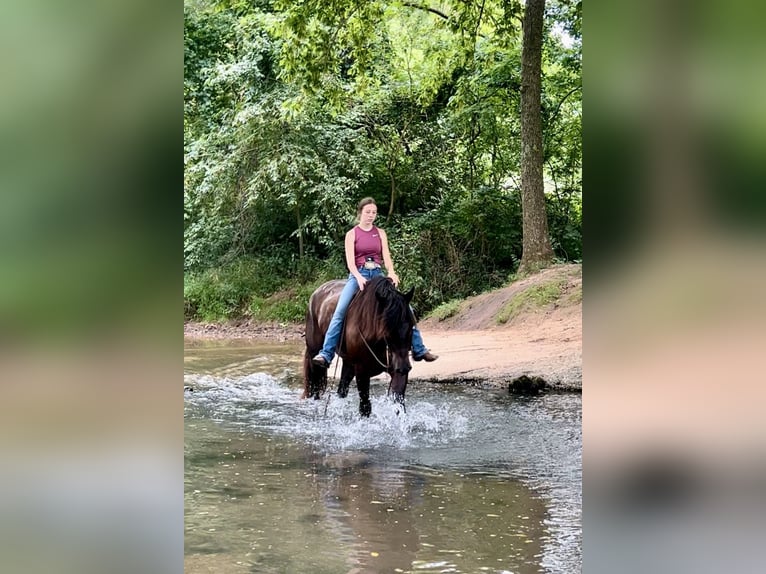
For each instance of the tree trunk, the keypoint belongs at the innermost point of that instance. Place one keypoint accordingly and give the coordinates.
(536, 244)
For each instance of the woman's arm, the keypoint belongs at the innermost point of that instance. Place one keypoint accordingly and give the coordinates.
(387, 257)
(351, 259)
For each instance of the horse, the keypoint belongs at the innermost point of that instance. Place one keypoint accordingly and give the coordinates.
(376, 337)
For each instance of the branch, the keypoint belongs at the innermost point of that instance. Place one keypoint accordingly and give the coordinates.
(427, 9)
(442, 14)
(558, 107)
(478, 21)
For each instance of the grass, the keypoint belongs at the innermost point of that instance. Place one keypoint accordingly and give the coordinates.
(575, 296)
(446, 310)
(530, 299)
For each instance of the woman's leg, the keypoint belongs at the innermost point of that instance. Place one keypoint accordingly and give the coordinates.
(418, 347)
(419, 351)
(332, 336)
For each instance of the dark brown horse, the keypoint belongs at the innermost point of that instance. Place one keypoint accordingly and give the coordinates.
(376, 337)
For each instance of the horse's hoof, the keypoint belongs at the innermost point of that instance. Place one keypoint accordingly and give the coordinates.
(365, 410)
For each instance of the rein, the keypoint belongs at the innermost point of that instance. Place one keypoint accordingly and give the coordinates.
(391, 378)
(372, 352)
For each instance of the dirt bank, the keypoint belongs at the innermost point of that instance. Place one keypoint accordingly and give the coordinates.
(526, 334)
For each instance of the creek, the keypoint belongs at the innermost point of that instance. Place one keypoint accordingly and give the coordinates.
(467, 480)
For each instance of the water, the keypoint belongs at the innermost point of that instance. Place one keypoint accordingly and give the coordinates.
(467, 480)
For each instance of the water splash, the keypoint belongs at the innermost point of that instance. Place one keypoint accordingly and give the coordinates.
(338, 426)
(260, 401)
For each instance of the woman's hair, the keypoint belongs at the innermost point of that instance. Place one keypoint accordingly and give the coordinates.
(362, 203)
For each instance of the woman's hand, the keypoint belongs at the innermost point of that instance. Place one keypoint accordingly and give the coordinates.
(395, 278)
(361, 281)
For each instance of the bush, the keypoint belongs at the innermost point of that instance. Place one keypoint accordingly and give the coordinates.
(283, 307)
(465, 246)
(272, 288)
(217, 294)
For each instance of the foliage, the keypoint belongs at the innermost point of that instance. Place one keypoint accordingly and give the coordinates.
(459, 248)
(246, 287)
(218, 293)
(287, 306)
(295, 110)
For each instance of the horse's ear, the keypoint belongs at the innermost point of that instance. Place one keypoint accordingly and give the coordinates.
(408, 295)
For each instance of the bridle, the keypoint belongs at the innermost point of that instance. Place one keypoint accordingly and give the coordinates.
(388, 358)
(366, 344)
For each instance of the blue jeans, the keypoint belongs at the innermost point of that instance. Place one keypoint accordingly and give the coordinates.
(336, 323)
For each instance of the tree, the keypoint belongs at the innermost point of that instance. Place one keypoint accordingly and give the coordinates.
(294, 110)
(536, 244)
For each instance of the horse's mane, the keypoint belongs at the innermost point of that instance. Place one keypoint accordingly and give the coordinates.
(381, 299)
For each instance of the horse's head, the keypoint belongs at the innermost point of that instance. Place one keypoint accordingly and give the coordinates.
(398, 321)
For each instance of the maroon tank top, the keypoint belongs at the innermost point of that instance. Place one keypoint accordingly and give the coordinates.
(367, 244)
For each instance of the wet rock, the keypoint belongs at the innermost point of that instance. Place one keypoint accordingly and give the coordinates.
(525, 385)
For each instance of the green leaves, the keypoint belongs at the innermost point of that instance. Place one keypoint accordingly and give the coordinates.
(295, 109)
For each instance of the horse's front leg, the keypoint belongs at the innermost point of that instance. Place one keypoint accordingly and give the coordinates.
(346, 374)
(363, 386)
(315, 378)
(318, 382)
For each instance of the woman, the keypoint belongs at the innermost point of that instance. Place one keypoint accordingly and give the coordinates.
(366, 246)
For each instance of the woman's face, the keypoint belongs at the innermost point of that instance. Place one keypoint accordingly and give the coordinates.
(369, 213)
